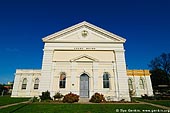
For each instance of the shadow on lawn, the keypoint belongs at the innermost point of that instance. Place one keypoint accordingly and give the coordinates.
(19, 107)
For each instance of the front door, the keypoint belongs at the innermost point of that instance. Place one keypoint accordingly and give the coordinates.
(84, 85)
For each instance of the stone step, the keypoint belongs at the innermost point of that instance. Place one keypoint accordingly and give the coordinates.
(84, 100)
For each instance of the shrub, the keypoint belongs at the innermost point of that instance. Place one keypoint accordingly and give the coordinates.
(58, 96)
(122, 100)
(45, 96)
(70, 98)
(145, 96)
(97, 98)
(161, 97)
(33, 99)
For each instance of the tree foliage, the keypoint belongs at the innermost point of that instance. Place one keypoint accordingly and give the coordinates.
(3, 90)
(160, 69)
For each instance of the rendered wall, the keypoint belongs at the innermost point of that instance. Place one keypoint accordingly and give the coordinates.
(135, 76)
(30, 75)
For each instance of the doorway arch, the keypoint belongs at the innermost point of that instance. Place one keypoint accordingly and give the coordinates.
(84, 85)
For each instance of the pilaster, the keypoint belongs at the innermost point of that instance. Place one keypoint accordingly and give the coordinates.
(16, 87)
(46, 79)
(116, 80)
(122, 75)
(149, 86)
(73, 76)
(95, 76)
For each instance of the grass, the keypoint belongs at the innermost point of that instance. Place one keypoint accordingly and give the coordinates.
(158, 102)
(4, 100)
(76, 108)
(46, 107)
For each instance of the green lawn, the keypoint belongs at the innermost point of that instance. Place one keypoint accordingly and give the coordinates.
(159, 102)
(4, 100)
(77, 108)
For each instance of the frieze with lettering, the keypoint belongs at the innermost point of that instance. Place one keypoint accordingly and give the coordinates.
(81, 48)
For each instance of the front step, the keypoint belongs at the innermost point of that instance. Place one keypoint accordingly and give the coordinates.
(83, 100)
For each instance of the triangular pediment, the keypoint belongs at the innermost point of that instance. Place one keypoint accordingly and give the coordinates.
(83, 32)
(83, 58)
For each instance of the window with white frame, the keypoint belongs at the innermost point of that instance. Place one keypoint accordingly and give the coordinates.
(36, 83)
(141, 83)
(24, 83)
(106, 83)
(62, 83)
(130, 84)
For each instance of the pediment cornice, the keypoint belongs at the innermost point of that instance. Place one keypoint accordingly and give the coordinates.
(83, 25)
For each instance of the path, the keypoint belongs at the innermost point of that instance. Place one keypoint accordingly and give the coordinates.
(5, 106)
(156, 105)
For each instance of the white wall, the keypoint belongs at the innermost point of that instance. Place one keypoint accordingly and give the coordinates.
(147, 86)
(30, 75)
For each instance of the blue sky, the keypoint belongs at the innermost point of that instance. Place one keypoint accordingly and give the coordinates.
(23, 23)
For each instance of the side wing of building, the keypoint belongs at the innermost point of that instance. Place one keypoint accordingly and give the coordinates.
(139, 83)
(26, 83)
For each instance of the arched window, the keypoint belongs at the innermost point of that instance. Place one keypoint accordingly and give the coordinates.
(141, 83)
(130, 84)
(36, 83)
(62, 83)
(106, 80)
(24, 83)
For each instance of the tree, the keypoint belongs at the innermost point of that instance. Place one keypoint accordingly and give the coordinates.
(3, 90)
(160, 69)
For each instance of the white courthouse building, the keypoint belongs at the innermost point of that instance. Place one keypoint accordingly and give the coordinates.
(83, 59)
